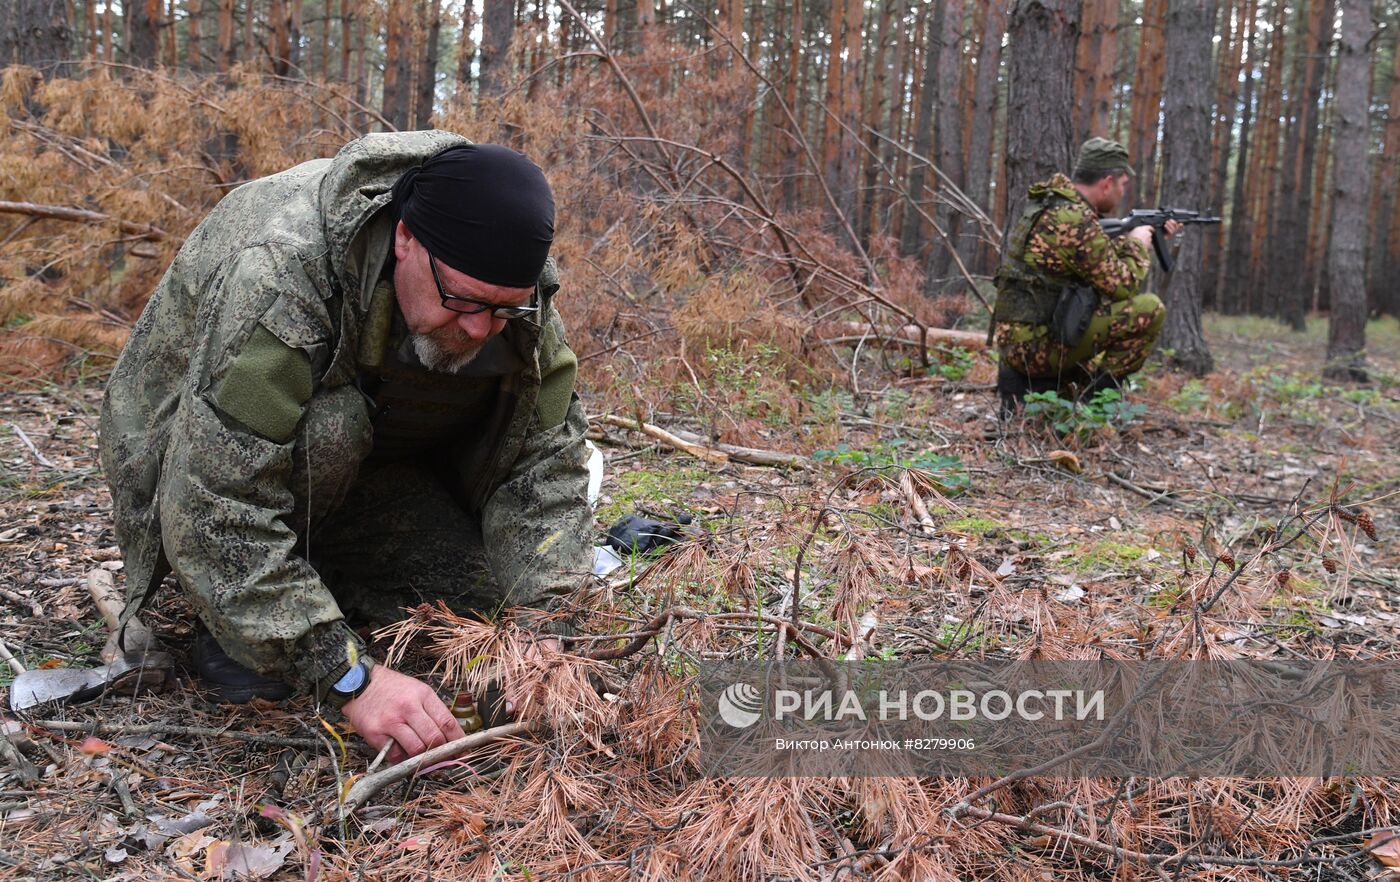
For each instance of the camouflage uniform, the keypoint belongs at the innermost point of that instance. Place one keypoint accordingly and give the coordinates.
(1057, 242)
(249, 430)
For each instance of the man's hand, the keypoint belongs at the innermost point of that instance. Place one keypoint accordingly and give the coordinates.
(1171, 228)
(1141, 234)
(396, 706)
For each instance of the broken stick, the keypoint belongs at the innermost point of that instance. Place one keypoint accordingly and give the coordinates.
(363, 790)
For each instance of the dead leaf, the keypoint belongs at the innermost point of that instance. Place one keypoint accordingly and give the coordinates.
(1065, 460)
(1008, 566)
(226, 860)
(1071, 594)
(1385, 847)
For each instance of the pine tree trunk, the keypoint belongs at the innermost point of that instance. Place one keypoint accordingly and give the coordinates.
(1294, 288)
(394, 40)
(912, 233)
(1226, 108)
(294, 21)
(1264, 177)
(842, 118)
(791, 183)
(984, 117)
(876, 104)
(1385, 261)
(1096, 58)
(1147, 102)
(224, 59)
(466, 54)
(347, 30)
(1186, 172)
(1233, 269)
(498, 20)
(38, 35)
(1039, 127)
(950, 142)
(142, 31)
(90, 10)
(1346, 256)
(193, 55)
(249, 19)
(427, 71)
(280, 47)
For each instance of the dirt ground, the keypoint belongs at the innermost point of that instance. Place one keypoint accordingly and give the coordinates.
(1106, 528)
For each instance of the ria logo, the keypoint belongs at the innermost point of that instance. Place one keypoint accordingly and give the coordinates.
(739, 705)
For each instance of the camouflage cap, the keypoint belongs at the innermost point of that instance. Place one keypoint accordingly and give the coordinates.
(1101, 155)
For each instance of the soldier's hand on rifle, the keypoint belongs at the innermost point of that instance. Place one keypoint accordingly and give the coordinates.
(396, 706)
(1142, 234)
(1171, 228)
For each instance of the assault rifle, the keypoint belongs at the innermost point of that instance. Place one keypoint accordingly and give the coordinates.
(1156, 218)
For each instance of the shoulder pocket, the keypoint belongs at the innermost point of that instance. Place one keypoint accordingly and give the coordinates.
(266, 386)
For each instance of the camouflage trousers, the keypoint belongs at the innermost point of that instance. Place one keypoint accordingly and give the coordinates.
(1118, 340)
(400, 539)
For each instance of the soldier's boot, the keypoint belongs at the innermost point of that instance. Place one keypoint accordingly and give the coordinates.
(1012, 386)
(226, 680)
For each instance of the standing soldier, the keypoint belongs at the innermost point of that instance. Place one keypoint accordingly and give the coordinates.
(1056, 249)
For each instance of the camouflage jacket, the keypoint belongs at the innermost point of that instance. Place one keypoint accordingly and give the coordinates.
(1057, 242)
(269, 308)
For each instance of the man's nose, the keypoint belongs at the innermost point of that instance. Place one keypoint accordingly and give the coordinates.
(477, 325)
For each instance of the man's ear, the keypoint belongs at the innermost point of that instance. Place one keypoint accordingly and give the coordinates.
(402, 237)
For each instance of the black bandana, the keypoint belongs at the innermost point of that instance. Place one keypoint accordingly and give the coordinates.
(483, 210)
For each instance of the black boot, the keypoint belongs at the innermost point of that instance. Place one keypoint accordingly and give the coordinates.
(1012, 386)
(226, 680)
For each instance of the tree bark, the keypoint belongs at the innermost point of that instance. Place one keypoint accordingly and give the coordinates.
(1265, 174)
(1385, 262)
(466, 54)
(38, 35)
(876, 106)
(791, 182)
(427, 70)
(950, 141)
(391, 105)
(194, 58)
(142, 31)
(911, 238)
(842, 116)
(1097, 57)
(1294, 288)
(224, 59)
(498, 20)
(984, 117)
(1186, 177)
(1147, 83)
(1039, 128)
(1346, 256)
(1233, 271)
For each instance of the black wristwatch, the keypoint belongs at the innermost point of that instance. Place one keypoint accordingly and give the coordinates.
(350, 684)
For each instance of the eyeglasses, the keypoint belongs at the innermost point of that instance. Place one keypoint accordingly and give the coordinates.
(468, 306)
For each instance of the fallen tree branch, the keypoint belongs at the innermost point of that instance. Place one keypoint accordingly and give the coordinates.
(363, 790)
(906, 335)
(641, 636)
(164, 729)
(750, 455)
(705, 453)
(150, 232)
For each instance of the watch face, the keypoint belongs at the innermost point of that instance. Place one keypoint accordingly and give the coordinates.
(353, 680)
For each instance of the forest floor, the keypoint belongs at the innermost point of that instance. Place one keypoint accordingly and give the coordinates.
(1100, 532)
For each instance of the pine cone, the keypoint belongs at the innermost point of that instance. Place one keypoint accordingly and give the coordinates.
(1329, 565)
(1283, 577)
(1345, 515)
(1190, 551)
(1227, 559)
(1367, 526)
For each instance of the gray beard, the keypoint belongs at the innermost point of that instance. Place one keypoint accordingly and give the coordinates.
(435, 357)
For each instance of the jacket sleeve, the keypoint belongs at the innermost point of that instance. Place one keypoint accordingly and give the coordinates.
(226, 496)
(1068, 242)
(537, 525)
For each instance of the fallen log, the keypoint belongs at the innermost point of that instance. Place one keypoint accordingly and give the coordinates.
(150, 232)
(908, 335)
(700, 448)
